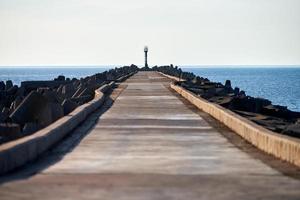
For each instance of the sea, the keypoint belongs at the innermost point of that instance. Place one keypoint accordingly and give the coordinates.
(281, 85)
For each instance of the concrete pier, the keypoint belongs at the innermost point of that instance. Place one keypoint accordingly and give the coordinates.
(151, 144)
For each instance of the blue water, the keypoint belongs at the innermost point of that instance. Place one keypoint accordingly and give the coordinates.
(280, 85)
(17, 75)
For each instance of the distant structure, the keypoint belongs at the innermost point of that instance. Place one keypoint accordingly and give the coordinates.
(146, 56)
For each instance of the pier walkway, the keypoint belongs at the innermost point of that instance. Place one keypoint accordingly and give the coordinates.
(150, 144)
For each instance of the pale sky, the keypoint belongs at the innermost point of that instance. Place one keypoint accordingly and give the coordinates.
(183, 32)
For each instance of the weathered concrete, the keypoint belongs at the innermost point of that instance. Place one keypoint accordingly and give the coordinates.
(18, 152)
(150, 145)
(285, 147)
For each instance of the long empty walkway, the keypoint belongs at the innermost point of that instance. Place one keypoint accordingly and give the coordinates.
(152, 145)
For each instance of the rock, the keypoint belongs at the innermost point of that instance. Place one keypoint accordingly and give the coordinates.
(292, 130)
(68, 106)
(42, 90)
(68, 90)
(34, 85)
(87, 91)
(2, 86)
(30, 128)
(249, 104)
(82, 99)
(110, 77)
(12, 90)
(227, 84)
(3, 116)
(76, 83)
(197, 80)
(60, 78)
(228, 87)
(29, 109)
(78, 92)
(8, 85)
(210, 92)
(10, 130)
(59, 89)
(52, 97)
(221, 91)
(242, 93)
(223, 101)
(271, 123)
(44, 117)
(57, 111)
(197, 91)
(6, 111)
(279, 111)
(260, 103)
(16, 103)
(91, 81)
(236, 91)
(208, 86)
(20, 92)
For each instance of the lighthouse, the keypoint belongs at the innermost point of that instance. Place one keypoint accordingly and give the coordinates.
(146, 56)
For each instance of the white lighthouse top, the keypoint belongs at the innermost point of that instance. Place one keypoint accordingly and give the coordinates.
(146, 48)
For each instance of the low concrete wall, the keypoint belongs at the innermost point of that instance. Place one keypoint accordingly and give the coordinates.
(18, 152)
(284, 147)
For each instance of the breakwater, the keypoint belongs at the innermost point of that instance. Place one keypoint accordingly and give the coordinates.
(150, 139)
(34, 105)
(261, 111)
(19, 150)
(278, 84)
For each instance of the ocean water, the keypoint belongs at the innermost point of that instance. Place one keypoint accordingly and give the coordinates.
(17, 75)
(280, 85)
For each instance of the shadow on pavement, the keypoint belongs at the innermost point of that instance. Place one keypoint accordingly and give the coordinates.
(65, 146)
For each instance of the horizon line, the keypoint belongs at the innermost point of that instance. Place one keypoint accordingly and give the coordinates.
(182, 66)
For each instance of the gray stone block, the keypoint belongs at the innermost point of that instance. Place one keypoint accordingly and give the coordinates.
(68, 106)
(30, 128)
(82, 99)
(78, 92)
(16, 103)
(68, 90)
(29, 109)
(2, 86)
(8, 85)
(53, 97)
(10, 130)
(57, 111)
(87, 91)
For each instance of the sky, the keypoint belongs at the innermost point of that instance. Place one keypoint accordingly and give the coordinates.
(182, 32)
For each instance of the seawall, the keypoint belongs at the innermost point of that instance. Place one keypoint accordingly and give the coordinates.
(18, 152)
(281, 146)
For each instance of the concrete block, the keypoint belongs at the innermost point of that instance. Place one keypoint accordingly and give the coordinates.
(29, 109)
(10, 130)
(68, 106)
(8, 85)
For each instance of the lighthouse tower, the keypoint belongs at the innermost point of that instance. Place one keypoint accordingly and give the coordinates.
(146, 56)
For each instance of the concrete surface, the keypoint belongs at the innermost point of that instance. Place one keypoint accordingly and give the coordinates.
(281, 146)
(18, 152)
(151, 144)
